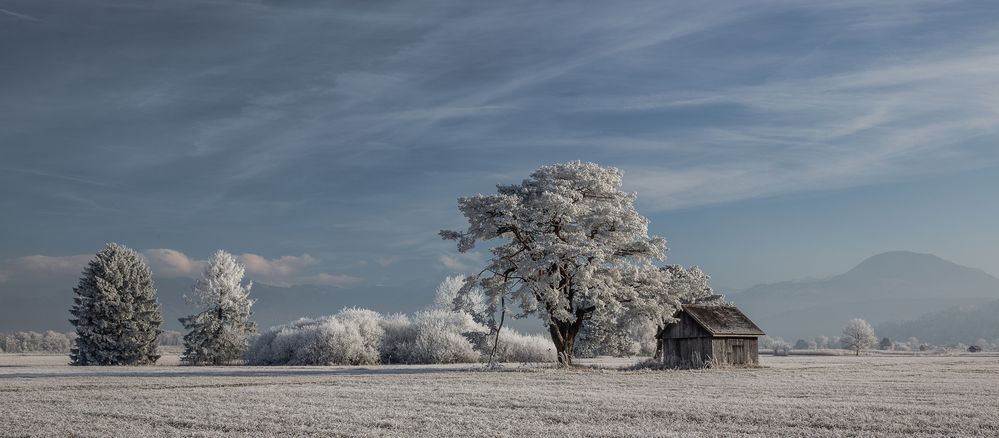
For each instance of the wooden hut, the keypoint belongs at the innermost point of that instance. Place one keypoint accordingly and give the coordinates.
(710, 334)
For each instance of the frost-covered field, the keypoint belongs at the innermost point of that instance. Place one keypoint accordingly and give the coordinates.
(796, 396)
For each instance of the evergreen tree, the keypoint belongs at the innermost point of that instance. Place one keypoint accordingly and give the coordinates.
(219, 333)
(116, 314)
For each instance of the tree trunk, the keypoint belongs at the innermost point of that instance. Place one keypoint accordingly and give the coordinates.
(658, 356)
(564, 336)
(492, 354)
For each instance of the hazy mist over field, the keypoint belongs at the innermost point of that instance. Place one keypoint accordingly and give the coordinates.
(325, 144)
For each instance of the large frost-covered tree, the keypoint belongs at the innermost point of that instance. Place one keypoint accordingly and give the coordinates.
(115, 311)
(220, 332)
(568, 236)
(858, 335)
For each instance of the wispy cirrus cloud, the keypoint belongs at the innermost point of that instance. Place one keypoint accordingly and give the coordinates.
(908, 118)
(18, 15)
(285, 121)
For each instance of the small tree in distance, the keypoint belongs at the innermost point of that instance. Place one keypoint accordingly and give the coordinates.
(220, 332)
(858, 335)
(821, 342)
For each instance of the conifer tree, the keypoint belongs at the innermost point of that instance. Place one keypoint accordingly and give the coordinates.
(219, 333)
(115, 311)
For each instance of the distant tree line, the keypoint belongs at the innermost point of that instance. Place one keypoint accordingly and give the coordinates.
(55, 342)
(859, 335)
(967, 324)
(35, 342)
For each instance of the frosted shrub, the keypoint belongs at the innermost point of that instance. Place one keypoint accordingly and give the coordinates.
(48, 342)
(361, 337)
(260, 351)
(434, 336)
(399, 334)
(338, 342)
(368, 326)
(277, 346)
(442, 346)
(516, 347)
(352, 337)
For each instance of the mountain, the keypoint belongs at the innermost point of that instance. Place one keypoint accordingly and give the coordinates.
(897, 285)
(967, 324)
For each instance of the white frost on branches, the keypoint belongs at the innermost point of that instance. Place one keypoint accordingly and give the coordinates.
(858, 335)
(115, 311)
(220, 331)
(452, 295)
(568, 236)
(659, 294)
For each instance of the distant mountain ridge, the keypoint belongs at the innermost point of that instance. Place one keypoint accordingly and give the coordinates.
(968, 324)
(892, 286)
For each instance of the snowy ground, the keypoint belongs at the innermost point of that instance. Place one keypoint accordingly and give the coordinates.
(791, 396)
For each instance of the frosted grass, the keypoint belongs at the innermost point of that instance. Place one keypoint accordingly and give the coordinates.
(791, 396)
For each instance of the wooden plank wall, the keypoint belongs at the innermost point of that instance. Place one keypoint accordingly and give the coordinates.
(689, 345)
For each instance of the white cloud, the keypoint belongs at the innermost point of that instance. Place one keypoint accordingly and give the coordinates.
(172, 263)
(166, 262)
(73, 264)
(43, 265)
(283, 266)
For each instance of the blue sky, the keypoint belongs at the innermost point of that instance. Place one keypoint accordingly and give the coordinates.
(327, 142)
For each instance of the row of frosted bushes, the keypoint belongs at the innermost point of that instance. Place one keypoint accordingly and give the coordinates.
(35, 342)
(364, 337)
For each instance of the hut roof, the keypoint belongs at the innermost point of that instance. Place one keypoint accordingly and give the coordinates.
(723, 320)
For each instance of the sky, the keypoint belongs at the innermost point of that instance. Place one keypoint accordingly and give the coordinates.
(326, 143)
